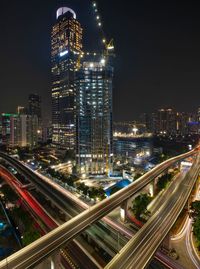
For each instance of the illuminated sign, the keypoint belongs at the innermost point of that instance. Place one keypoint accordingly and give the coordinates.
(63, 53)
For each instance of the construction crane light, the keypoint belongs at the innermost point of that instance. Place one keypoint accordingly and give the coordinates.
(103, 61)
(110, 48)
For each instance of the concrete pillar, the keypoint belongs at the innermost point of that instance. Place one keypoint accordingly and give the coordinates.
(52, 264)
(123, 211)
(152, 189)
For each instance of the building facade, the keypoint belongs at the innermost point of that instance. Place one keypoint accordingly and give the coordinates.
(66, 44)
(19, 130)
(94, 148)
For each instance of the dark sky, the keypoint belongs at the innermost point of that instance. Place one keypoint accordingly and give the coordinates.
(157, 52)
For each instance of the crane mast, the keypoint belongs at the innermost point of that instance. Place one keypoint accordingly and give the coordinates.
(108, 45)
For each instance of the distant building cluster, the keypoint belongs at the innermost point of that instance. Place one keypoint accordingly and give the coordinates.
(170, 122)
(23, 128)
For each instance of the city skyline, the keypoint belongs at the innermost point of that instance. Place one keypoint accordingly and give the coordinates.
(100, 135)
(154, 64)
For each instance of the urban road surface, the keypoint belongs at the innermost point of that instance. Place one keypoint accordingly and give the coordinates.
(141, 248)
(46, 245)
(84, 257)
(105, 233)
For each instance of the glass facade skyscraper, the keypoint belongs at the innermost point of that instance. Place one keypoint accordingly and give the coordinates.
(81, 97)
(66, 42)
(94, 118)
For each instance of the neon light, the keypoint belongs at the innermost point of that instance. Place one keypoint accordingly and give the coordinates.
(9, 115)
(63, 53)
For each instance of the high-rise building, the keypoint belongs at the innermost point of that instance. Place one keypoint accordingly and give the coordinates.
(34, 104)
(94, 118)
(149, 120)
(35, 111)
(10, 129)
(66, 43)
(19, 130)
(166, 121)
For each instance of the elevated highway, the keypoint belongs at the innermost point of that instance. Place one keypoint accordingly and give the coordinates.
(43, 247)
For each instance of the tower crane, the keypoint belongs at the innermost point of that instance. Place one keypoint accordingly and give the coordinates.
(108, 45)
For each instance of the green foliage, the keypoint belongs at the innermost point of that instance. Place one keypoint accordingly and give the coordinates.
(66, 178)
(163, 181)
(195, 209)
(91, 192)
(140, 205)
(19, 213)
(196, 231)
(195, 213)
(9, 194)
(30, 236)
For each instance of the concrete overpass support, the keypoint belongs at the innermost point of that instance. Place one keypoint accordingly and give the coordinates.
(123, 211)
(152, 188)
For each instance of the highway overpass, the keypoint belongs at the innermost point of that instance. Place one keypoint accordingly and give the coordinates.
(141, 248)
(43, 247)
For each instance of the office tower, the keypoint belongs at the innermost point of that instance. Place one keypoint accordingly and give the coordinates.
(10, 129)
(32, 131)
(66, 43)
(149, 120)
(166, 121)
(35, 110)
(94, 118)
(198, 115)
(34, 103)
(19, 130)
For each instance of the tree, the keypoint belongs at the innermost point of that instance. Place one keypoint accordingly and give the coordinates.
(140, 205)
(196, 231)
(195, 213)
(30, 236)
(195, 209)
(163, 181)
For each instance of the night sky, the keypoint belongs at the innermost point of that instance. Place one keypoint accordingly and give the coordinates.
(157, 52)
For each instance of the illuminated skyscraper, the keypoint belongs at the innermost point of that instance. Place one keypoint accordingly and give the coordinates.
(66, 41)
(94, 118)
